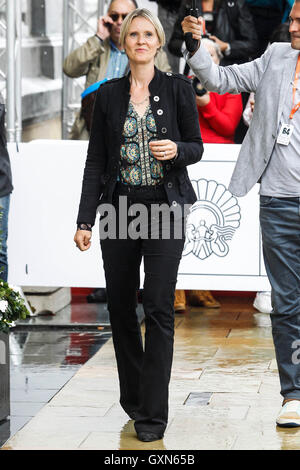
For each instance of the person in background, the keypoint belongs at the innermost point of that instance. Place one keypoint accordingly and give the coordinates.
(262, 301)
(219, 116)
(229, 24)
(167, 13)
(267, 15)
(102, 57)
(6, 188)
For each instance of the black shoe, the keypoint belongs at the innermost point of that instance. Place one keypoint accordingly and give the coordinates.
(97, 296)
(148, 436)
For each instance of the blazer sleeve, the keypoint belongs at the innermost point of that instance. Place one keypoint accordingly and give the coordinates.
(93, 182)
(190, 148)
(233, 78)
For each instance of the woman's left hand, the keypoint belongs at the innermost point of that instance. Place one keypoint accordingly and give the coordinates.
(163, 149)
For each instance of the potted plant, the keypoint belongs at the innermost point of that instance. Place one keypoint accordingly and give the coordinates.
(12, 307)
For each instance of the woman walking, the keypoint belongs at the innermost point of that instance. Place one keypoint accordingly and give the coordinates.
(145, 132)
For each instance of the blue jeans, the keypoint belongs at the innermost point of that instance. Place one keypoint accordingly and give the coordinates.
(4, 208)
(280, 225)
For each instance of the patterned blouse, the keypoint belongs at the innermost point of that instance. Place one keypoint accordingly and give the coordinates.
(138, 167)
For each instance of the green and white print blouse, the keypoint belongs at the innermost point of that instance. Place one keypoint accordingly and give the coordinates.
(138, 167)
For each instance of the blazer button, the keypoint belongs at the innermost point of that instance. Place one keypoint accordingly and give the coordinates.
(156, 98)
(170, 185)
(168, 166)
(164, 130)
(160, 112)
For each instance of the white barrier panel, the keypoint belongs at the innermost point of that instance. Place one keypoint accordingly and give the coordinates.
(222, 250)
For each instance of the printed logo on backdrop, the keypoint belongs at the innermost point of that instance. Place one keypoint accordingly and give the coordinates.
(213, 220)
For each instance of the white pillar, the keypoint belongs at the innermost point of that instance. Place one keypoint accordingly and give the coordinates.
(10, 75)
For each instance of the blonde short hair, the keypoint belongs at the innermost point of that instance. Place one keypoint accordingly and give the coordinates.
(144, 13)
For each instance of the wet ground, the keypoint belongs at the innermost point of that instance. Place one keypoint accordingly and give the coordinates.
(41, 363)
(224, 392)
(46, 351)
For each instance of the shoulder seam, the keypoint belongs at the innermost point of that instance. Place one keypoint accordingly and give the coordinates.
(178, 75)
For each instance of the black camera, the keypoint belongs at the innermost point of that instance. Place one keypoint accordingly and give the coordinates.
(199, 90)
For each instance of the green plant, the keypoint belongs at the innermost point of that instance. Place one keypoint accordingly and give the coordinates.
(12, 306)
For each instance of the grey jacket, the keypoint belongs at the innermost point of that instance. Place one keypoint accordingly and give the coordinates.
(267, 76)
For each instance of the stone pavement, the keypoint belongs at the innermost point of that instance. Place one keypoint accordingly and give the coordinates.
(224, 392)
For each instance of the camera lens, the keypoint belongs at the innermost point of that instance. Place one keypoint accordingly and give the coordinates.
(199, 90)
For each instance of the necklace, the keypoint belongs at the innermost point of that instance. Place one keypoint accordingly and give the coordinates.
(141, 102)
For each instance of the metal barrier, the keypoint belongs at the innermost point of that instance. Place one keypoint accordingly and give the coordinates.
(11, 77)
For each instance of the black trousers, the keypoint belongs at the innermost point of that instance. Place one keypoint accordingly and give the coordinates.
(144, 371)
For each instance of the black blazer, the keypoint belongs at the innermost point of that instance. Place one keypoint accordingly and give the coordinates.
(234, 24)
(174, 107)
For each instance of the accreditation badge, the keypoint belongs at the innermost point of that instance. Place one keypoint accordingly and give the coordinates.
(285, 134)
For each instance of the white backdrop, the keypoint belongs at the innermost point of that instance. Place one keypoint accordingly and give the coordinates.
(222, 252)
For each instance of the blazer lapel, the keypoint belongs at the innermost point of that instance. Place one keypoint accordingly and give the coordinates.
(288, 74)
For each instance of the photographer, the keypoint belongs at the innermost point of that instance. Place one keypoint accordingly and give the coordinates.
(229, 24)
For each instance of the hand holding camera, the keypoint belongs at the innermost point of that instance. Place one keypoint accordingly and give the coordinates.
(202, 95)
(193, 27)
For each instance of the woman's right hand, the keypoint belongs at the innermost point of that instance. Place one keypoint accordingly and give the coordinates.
(83, 239)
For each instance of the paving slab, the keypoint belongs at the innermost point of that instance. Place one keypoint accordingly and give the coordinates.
(224, 394)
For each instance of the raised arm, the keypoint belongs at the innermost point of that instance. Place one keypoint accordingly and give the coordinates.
(231, 79)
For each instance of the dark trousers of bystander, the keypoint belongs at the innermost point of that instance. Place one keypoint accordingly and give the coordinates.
(280, 225)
